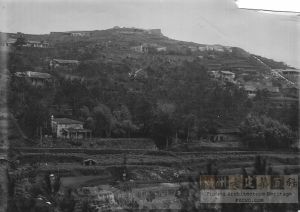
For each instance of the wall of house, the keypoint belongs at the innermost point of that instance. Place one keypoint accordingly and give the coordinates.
(228, 77)
(225, 137)
(37, 82)
(60, 127)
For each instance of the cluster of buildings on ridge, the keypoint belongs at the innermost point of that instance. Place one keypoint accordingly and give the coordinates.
(41, 79)
(215, 48)
(284, 95)
(10, 41)
(34, 44)
(146, 48)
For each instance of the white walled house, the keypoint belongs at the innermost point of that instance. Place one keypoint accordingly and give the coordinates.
(226, 135)
(161, 49)
(37, 79)
(63, 64)
(227, 76)
(68, 128)
(8, 43)
(141, 48)
(251, 91)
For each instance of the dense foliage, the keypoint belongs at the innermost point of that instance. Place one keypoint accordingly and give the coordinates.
(261, 131)
(158, 95)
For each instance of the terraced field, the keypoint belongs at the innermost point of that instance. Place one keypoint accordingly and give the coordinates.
(70, 161)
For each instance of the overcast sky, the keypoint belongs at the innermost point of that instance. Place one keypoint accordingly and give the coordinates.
(201, 21)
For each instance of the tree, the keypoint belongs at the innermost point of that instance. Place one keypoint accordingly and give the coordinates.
(189, 126)
(124, 124)
(34, 118)
(67, 204)
(104, 121)
(162, 129)
(263, 131)
(20, 41)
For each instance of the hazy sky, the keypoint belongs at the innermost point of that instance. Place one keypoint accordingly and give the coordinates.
(201, 21)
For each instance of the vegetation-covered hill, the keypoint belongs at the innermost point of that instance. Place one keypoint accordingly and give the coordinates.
(120, 92)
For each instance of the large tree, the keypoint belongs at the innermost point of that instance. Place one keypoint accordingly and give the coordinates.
(262, 131)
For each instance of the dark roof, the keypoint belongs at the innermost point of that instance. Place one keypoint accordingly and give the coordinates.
(228, 130)
(66, 61)
(33, 41)
(291, 71)
(249, 88)
(227, 72)
(40, 75)
(32, 74)
(66, 121)
(89, 159)
(77, 130)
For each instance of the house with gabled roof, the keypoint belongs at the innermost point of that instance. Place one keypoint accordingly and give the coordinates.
(251, 90)
(35, 78)
(36, 44)
(69, 128)
(8, 42)
(227, 76)
(226, 135)
(62, 63)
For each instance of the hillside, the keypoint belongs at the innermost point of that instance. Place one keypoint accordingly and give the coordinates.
(159, 113)
(137, 82)
(115, 44)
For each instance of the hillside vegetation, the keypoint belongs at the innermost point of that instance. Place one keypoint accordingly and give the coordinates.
(119, 92)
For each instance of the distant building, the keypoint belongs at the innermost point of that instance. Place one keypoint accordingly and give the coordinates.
(155, 32)
(214, 74)
(65, 64)
(72, 77)
(130, 31)
(36, 44)
(69, 128)
(146, 48)
(161, 49)
(251, 90)
(228, 49)
(202, 48)
(216, 48)
(80, 34)
(8, 43)
(35, 78)
(71, 33)
(89, 162)
(291, 74)
(140, 48)
(226, 134)
(227, 76)
(193, 48)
